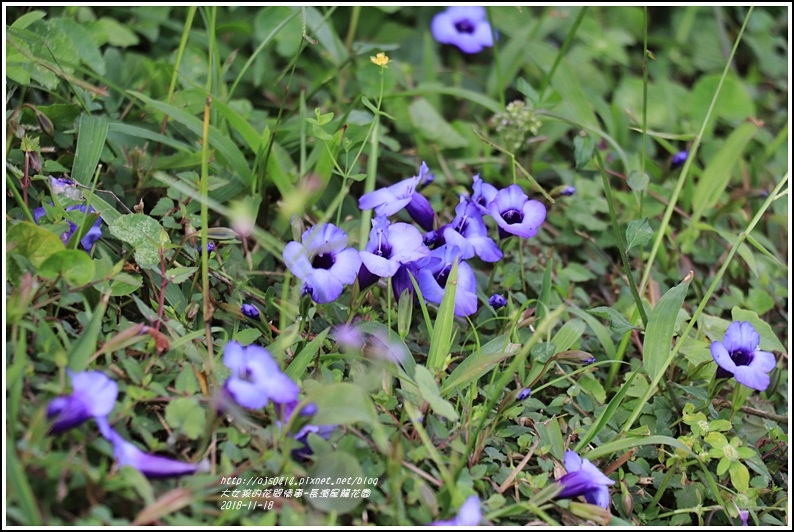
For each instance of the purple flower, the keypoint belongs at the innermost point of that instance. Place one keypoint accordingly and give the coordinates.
(63, 186)
(469, 514)
(94, 395)
(744, 515)
(390, 246)
(568, 191)
(583, 478)
(348, 336)
(466, 27)
(497, 301)
(523, 394)
(151, 465)
(679, 158)
(433, 274)
(93, 234)
(249, 310)
(482, 194)
(468, 232)
(390, 200)
(515, 214)
(323, 262)
(286, 411)
(738, 356)
(256, 378)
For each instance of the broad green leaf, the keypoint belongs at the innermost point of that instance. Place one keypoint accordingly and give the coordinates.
(341, 404)
(583, 148)
(75, 266)
(336, 465)
(638, 181)
(617, 322)
(550, 436)
(638, 233)
(27, 19)
(740, 477)
(144, 234)
(87, 50)
(661, 326)
(298, 366)
(185, 414)
(433, 127)
(568, 335)
(601, 332)
(92, 132)
(429, 391)
(716, 176)
(34, 243)
(180, 274)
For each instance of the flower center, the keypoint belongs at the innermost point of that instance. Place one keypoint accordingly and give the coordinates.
(464, 26)
(742, 357)
(464, 222)
(384, 249)
(323, 261)
(513, 216)
(443, 275)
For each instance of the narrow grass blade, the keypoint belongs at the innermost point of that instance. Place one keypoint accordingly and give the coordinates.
(442, 330)
(298, 366)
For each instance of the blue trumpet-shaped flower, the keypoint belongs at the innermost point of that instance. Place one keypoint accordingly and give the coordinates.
(94, 395)
(482, 194)
(151, 465)
(738, 356)
(466, 27)
(515, 213)
(302, 436)
(391, 200)
(433, 273)
(93, 234)
(390, 246)
(468, 232)
(583, 478)
(249, 310)
(323, 262)
(256, 378)
(469, 514)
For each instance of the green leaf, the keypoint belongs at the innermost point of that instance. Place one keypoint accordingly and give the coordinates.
(298, 366)
(340, 404)
(740, 477)
(87, 51)
(550, 436)
(34, 243)
(594, 387)
(75, 266)
(661, 326)
(180, 274)
(93, 131)
(769, 340)
(568, 335)
(715, 178)
(429, 391)
(476, 365)
(433, 127)
(144, 234)
(115, 33)
(583, 148)
(185, 414)
(617, 322)
(638, 233)
(607, 414)
(442, 329)
(224, 145)
(85, 346)
(336, 465)
(372, 107)
(124, 284)
(638, 181)
(27, 19)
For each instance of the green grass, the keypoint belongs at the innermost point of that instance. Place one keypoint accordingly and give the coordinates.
(246, 126)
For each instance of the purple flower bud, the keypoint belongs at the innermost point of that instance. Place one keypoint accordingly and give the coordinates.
(568, 191)
(497, 301)
(250, 310)
(679, 158)
(523, 394)
(744, 515)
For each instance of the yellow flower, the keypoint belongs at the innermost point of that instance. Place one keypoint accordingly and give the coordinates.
(381, 59)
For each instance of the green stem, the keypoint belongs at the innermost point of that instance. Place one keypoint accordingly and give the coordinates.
(644, 104)
(563, 50)
(619, 238)
(372, 165)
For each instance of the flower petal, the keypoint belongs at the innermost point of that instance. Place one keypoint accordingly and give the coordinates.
(741, 336)
(325, 286)
(280, 388)
(234, 356)
(598, 496)
(296, 258)
(573, 462)
(346, 265)
(763, 361)
(380, 266)
(722, 357)
(421, 211)
(469, 513)
(751, 377)
(247, 394)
